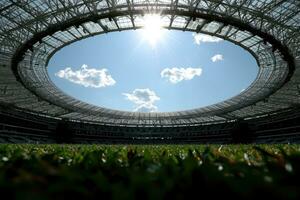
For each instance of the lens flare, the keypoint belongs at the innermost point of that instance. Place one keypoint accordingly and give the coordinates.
(152, 29)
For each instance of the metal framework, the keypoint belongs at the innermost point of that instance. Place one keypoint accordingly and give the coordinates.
(31, 31)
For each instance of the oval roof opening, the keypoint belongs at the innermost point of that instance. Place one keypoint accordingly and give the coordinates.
(158, 71)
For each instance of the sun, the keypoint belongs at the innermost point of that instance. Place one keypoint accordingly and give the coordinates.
(152, 30)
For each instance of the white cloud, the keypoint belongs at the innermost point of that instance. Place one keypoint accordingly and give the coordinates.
(145, 108)
(176, 75)
(144, 100)
(199, 37)
(217, 57)
(92, 77)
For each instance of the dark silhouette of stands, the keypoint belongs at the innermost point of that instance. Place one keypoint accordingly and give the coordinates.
(17, 126)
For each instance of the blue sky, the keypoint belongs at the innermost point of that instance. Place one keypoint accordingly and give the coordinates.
(122, 70)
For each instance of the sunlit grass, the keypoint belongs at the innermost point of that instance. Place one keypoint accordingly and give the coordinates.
(150, 171)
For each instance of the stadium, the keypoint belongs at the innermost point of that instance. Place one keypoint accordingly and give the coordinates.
(227, 149)
(34, 110)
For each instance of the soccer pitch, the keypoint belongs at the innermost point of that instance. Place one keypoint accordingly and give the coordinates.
(149, 171)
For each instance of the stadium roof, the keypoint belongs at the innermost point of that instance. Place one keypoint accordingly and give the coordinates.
(31, 31)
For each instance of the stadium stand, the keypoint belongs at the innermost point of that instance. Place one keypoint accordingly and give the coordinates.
(34, 110)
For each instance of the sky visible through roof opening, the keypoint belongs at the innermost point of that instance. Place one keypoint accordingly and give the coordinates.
(132, 71)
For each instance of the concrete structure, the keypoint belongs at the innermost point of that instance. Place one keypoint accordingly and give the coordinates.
(31, 31)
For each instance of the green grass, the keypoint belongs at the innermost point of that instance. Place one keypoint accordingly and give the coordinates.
(150, 172)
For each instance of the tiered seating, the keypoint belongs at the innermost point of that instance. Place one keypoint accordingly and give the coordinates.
(22, 127)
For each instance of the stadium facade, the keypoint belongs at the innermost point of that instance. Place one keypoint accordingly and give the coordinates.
(33, 109)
